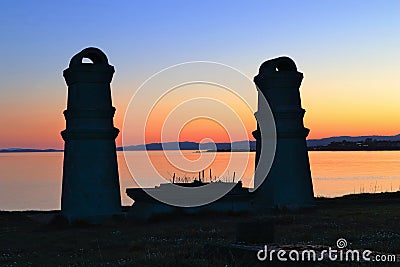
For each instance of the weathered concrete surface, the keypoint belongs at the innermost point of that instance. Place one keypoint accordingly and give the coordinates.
(90, 190)
(288, 183)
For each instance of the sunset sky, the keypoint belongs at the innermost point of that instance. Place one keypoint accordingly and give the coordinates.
(349, 52)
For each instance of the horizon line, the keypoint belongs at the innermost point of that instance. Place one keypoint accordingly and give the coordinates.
(186, 141)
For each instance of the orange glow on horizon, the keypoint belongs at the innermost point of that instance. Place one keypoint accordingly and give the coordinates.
(200, 129)
(209, 112)
(329, 112)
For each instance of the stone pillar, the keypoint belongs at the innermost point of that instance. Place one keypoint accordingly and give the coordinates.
(90, 189)
(288, 183)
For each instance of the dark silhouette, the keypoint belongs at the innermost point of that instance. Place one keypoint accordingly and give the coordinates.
(368, 144)
(90, 190)
(326, 141)
(288, 183)
(240, 145)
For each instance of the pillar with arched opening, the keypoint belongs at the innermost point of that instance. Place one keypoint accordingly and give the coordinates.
(288, 184)
(90, 189)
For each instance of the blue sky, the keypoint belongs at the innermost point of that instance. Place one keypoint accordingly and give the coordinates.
(151, 34)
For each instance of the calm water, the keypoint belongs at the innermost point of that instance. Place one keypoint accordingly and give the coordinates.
(33, 180)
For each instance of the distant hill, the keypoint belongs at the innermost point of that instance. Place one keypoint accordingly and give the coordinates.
(13, 150)
(327, 141)
(243, 145)
(240, 145)
(367, 144)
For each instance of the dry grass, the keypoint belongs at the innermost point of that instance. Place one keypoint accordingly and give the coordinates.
(366, 221)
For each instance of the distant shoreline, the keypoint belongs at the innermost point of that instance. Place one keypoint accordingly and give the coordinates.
(355, 149)
(341, 143)
(29, 150)
(218, 151)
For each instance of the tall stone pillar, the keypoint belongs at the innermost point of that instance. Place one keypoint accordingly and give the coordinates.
(90, 189)
(288, 183)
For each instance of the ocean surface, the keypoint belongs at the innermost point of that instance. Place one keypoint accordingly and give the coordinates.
(32, 181)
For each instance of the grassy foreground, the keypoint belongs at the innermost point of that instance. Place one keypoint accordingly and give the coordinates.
(366, 221)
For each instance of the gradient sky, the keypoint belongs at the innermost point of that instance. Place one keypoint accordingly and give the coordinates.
(349, 52)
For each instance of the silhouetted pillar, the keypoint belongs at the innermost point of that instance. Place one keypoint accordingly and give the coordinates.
(288, 183)
(90, 190)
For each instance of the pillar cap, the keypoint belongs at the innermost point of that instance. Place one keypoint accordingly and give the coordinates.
(93, 53)
(97, 72)
(279, 72)
(277, 65)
